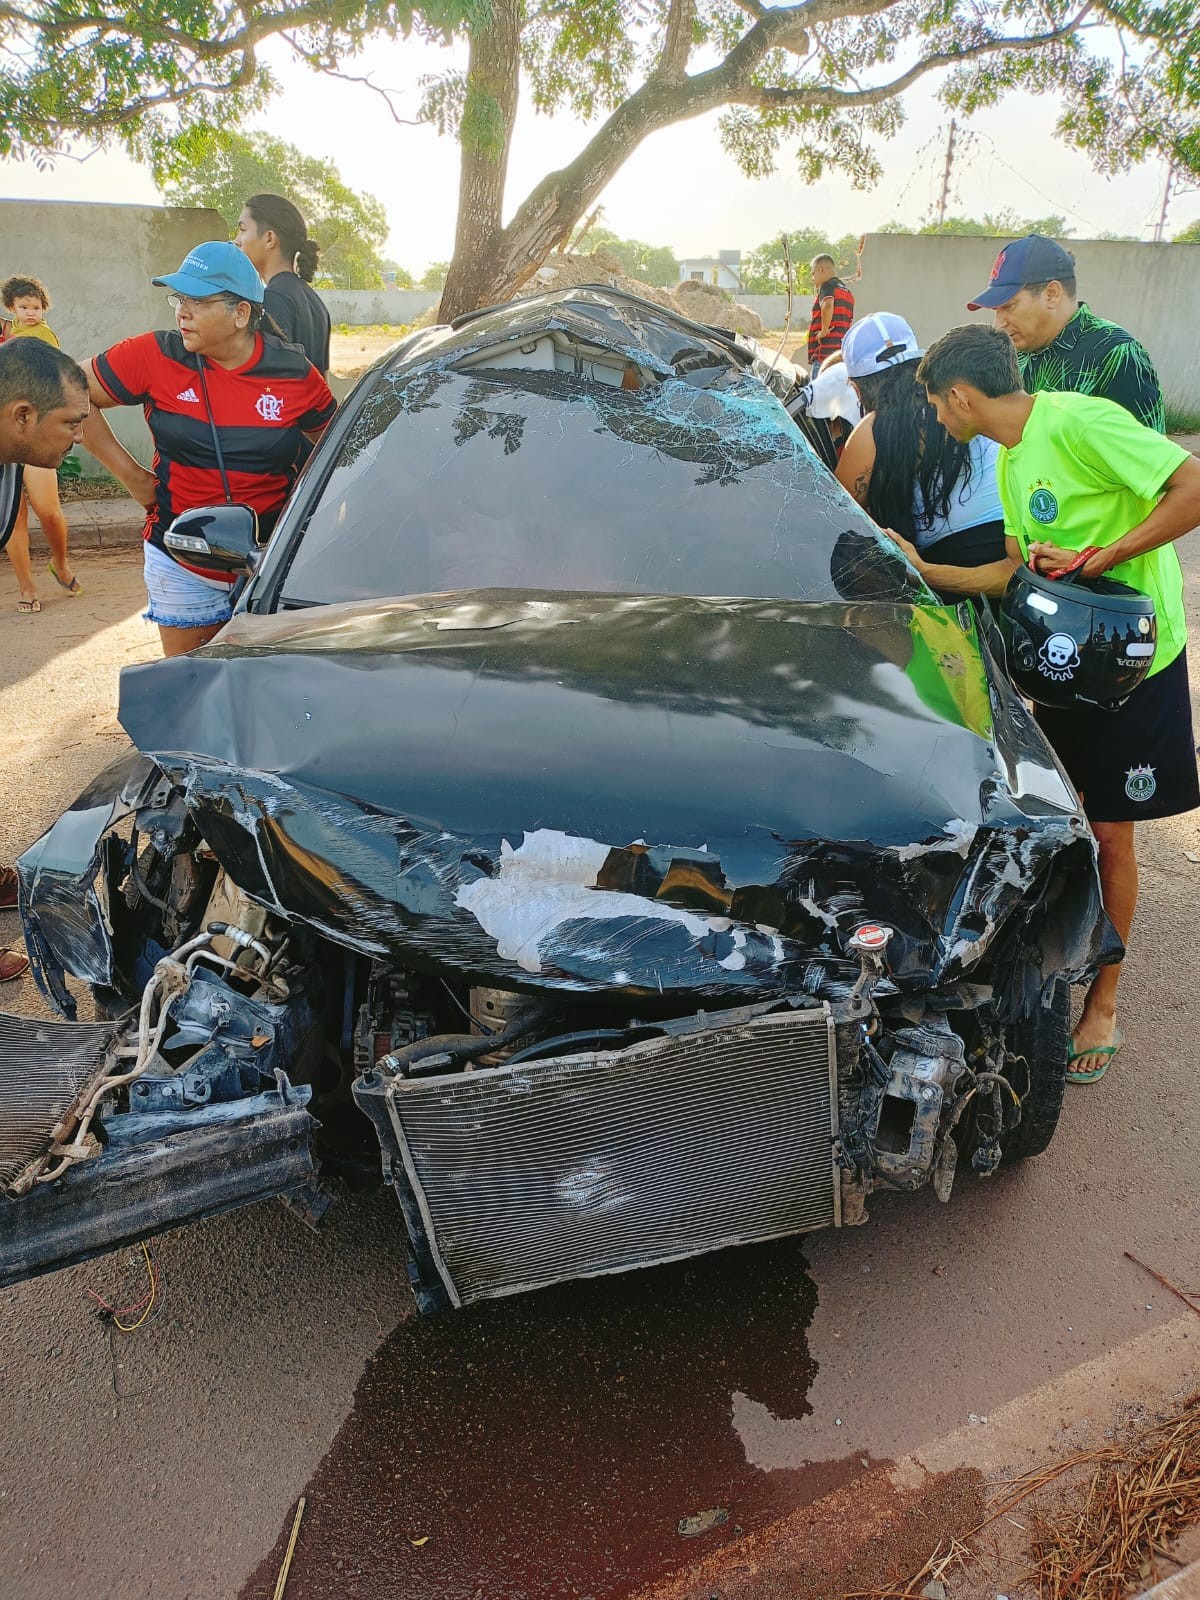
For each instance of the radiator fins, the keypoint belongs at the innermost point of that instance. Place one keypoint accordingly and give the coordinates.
(568, 1168)
(44, 1067)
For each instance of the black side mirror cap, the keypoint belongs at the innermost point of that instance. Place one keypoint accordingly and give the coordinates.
(222, 538)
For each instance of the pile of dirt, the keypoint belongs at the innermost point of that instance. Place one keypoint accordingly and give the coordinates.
(703, 302)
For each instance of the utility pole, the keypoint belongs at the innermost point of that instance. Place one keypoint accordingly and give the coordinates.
(946, 174)
(1160, 227)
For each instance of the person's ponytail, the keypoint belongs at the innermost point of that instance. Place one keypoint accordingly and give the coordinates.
(307, 257)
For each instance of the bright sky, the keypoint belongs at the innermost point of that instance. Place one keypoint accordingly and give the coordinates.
(679, 189)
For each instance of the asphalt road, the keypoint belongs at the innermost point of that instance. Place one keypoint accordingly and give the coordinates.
(549, 1446)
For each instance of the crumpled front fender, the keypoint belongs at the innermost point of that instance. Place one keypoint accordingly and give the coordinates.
(64, 893)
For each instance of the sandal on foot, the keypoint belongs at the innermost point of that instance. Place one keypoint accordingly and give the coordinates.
(74, 587)
(29, 606)
(1103, 1055)
(12, 965)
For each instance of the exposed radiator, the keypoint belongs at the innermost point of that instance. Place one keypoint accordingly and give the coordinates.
(43, 1068)
(532, 1174)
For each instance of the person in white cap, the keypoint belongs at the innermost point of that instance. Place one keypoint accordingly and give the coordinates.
(902, 466)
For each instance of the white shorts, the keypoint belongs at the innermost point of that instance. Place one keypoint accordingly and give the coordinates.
(182, 599)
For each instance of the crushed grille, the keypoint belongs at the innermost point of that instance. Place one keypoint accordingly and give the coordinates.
(532, 1174)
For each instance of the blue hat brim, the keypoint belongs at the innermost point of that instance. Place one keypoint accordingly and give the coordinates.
(197, 288)
(996, 294)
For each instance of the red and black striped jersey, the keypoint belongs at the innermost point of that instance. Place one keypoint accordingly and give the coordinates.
(261, 410)
(819, 347)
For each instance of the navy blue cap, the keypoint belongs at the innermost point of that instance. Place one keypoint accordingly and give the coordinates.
(216, 268)
(1033, 259)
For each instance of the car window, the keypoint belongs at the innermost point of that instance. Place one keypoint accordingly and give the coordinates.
(456, 479)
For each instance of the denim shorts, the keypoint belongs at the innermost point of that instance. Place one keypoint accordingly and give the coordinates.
(182, 599)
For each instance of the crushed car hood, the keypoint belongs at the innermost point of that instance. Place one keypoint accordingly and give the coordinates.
(669, 795)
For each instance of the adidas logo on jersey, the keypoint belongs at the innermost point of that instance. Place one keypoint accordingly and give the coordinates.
(188, 394)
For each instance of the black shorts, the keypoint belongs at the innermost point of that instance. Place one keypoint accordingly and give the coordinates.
(1135, 763)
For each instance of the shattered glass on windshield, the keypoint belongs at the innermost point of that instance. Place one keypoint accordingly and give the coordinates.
(572, 468)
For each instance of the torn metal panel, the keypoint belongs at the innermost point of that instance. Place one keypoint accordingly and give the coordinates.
(721, 788)
(65, 886)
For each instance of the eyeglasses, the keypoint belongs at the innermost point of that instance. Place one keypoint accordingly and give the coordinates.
(185, 302)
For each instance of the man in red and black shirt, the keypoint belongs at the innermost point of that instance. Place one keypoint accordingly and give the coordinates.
(832, 312)
(228, 407)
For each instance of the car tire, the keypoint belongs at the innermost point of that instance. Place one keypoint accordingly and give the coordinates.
(1043, 1040)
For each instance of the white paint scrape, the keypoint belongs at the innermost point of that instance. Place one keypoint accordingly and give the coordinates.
(551, 879)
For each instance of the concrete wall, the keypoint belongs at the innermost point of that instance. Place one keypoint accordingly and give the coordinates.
(366, 308)
(97, 262)
(1151, 289)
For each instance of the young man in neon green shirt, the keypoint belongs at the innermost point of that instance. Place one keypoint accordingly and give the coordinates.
(1075, 472)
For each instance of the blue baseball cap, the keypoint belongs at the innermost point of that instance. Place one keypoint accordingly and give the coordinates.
(1033, 259)
(216, 268)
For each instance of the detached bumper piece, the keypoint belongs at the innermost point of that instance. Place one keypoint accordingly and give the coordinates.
(533, 1173)
(158, 1172)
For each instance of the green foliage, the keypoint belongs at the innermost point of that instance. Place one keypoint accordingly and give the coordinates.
(1190, 235)
(404, 278)
(994, 225)
(654, 264)
(210, 167)
(434, 276)
(764, 270)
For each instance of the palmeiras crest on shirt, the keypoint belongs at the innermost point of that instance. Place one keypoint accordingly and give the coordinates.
(1140, 783)
(269, 407)
(1043, 507)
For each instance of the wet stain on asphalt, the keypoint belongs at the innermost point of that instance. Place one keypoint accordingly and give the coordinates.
(551, 1445)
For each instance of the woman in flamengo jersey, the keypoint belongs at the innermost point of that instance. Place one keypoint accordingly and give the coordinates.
(274, 235)
(216, 370)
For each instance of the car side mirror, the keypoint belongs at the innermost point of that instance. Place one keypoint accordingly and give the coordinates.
(222, 538)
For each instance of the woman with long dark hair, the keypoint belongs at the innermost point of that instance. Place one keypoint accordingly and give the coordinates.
(273, 234)
(902, 466)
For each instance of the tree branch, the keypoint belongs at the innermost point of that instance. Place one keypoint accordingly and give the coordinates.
(677, 46)
(351, 77)
(766, 98)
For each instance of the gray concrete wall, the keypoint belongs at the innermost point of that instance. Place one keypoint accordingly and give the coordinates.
(1151, 289)
(369, 308)
(97, 262)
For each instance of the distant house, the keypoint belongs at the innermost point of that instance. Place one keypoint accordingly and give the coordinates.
(723, 270)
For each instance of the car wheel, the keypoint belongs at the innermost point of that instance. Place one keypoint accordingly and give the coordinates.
(1042, 1040)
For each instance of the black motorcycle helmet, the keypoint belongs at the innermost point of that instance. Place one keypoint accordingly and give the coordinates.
(1076, 641)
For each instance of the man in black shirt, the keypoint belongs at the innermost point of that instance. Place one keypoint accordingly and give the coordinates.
(43, 401)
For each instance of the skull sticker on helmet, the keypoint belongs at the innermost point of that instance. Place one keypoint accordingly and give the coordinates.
(1059, 657)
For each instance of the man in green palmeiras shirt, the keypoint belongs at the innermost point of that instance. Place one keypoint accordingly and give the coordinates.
(1073, 472)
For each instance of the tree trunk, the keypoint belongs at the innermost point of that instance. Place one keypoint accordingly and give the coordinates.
(493, 84)
(490, 260)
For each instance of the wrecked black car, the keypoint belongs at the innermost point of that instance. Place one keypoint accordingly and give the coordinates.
(588, 809)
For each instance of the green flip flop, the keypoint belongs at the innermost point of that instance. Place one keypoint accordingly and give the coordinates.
(1104, 1054)
(74, 587)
